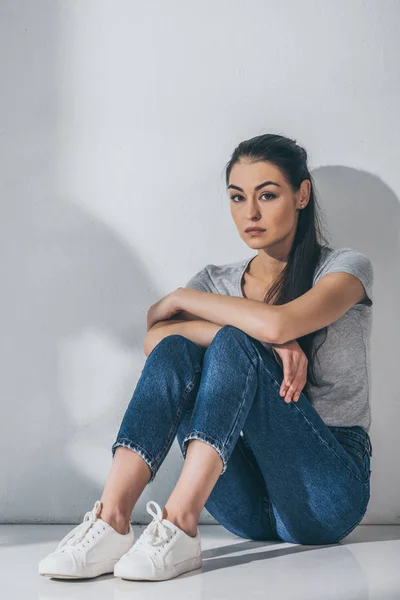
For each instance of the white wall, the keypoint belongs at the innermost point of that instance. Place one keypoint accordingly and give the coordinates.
(117, 118)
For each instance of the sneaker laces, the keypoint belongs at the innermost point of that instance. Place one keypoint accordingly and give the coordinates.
(77, 534)
(156, 533)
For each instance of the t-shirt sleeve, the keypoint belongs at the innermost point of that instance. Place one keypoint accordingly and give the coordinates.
(201, 281)
(356, 263)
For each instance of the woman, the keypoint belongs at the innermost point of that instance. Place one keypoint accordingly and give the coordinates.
(263, 365)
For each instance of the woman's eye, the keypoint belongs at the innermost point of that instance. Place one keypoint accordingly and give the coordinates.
(265, 194)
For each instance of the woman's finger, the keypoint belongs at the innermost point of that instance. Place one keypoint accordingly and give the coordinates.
(297, 391)
(295, 387)
(294, 375)
(288, 375)
(296, 394)
(292, 388)
(284, 387)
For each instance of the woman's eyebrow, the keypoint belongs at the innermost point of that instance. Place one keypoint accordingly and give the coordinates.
(258, 187)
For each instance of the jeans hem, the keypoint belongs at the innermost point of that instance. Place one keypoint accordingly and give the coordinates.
(126, 443)
(204, 437)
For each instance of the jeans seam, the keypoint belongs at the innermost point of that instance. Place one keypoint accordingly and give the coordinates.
(360, 479)
(238, 412)
(355, 450)
(349, 432)
(352, 434)
(260, 358)
(187, 389)
(345, 439)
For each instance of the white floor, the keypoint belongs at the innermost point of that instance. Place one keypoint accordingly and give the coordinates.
(366, 565)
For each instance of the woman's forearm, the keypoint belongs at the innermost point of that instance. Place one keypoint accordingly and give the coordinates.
(201, 332)
(184, 315)
(256, 318)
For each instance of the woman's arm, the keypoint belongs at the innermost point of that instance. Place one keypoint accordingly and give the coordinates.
(200, 331)
(184, 315)
(256, 318)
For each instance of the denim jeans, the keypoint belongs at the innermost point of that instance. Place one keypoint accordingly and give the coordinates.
(285, 475)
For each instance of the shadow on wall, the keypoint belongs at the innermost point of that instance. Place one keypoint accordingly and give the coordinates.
(364, 213)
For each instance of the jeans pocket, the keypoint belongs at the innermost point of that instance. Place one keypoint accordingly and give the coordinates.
(357, 446)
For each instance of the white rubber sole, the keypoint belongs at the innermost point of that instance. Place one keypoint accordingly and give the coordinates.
(183, 567)
(90, 571)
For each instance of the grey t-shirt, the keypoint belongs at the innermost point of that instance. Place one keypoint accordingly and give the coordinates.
(342, 369)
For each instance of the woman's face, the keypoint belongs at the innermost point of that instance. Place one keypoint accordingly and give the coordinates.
(271, 207)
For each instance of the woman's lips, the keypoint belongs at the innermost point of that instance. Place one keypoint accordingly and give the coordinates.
(255, 231)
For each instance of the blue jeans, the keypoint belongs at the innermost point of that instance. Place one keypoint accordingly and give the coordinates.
(286, 475)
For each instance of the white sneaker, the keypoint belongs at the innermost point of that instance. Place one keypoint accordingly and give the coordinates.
(89, 550)
(162, 551)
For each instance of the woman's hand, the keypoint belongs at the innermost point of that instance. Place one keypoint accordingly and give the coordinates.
(162, 310)
(294, 369)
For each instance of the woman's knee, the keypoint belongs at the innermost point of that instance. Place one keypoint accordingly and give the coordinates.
(173, 347)
(232, 339)
(175, 340)
(229, 330)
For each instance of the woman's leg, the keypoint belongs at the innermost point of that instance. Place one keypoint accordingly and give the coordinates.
(166, 388)
(162, 402)
(317, 477)
(127, 479)
(243, 482)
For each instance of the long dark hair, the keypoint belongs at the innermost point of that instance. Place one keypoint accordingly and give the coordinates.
(297, 276)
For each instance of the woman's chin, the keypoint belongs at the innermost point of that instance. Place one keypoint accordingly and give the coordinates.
(255, 243)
